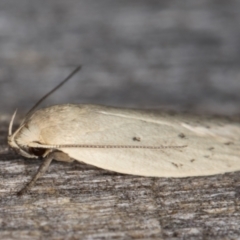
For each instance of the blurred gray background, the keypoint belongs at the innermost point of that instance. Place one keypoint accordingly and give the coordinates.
(181, 54)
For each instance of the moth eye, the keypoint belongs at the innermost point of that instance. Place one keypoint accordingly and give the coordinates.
(37, 151)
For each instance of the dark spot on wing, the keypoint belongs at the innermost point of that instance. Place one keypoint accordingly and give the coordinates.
(192, 160)
(174, 164)
(206, 156)
(211, 148)
(229, 143)
(182, 135)
(137, 139)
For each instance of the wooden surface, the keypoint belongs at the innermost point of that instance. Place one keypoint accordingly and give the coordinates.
(77, 201)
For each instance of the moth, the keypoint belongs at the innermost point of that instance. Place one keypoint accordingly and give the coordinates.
(138, 142)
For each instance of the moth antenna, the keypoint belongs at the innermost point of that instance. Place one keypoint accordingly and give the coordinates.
(53, 90)
(11, 123)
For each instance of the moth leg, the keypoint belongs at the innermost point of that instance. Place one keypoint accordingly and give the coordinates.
(43, 168)
(62, 157)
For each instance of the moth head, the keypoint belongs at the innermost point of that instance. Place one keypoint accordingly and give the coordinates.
(22, 138)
